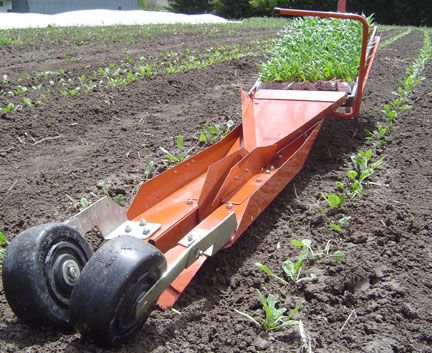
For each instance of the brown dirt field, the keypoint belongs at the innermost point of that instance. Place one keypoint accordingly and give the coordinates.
(385, 281)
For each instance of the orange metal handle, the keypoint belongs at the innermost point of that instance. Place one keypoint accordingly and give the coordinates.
(345, 16)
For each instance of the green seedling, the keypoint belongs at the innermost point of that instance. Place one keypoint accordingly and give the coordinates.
(118, 198)
(293, 270)
(21, 89)
(3, 244)
(377, 135)
(5, 79)
(70, 92)
(90, 87)
(8, 108)
(171, 159)
(148, 169)
(84, 203)
(274, 317)
(215, 133)
(335, 201)
(364, 169)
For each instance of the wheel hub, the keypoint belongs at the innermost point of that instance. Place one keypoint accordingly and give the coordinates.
(63, 265)
(71, 272)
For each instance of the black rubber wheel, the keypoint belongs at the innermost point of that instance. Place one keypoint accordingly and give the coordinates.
(103, 301)
(41, 266)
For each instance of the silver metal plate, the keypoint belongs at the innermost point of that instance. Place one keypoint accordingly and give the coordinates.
(104, 214)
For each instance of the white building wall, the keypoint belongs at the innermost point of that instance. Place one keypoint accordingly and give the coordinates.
(5, 5)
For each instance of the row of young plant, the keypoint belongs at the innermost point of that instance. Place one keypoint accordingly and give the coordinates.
(366, 161)
(364, 164)
(34, 90)
(85, 35)
(38, 89)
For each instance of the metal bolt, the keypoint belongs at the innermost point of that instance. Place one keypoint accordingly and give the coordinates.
(271, 167)
(189, 201)
(229, 205)
(128, 229)
(280, 156)
(305, 135)
(268, 171)
(199, 252)
(258, 180)
(72, 272)
(146, 231)
(142, 222)
(190, 237)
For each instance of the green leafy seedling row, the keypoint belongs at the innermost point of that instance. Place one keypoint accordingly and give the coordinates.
(313, 48)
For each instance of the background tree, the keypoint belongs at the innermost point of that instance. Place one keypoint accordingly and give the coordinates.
(233, 9)
(265, 7)
(190, 6)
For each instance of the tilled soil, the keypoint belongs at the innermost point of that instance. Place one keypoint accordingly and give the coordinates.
(376, 300)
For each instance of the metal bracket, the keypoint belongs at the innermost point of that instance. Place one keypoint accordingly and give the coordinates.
(192, 237)
(111, 220)
(104, 214)
(201, 242)
(141, 229)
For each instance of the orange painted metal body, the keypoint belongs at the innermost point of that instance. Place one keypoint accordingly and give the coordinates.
(242, 173)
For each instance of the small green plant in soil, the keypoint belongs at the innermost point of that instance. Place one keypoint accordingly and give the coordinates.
(294, 269)
(214, 133)
(3, 244)
(335, 201)
(274, 317)
(119, 198)
(172, 159)
(363, 170)
(148, 170)
(8, 108)
(84, 203)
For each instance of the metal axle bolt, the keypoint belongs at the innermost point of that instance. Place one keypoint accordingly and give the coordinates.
(189, 201)
(128, 229)
(146, 231)
(258, 180)
(190, 237)
(268, 171)
(229, 205)
(72, 272)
